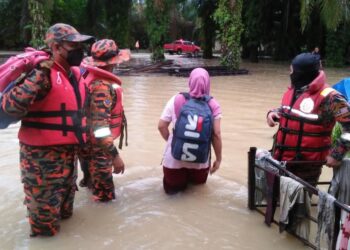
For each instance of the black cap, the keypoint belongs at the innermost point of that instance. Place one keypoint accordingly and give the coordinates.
(305, 63)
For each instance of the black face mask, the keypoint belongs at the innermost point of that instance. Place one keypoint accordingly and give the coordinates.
(301, 79)
(75, 56)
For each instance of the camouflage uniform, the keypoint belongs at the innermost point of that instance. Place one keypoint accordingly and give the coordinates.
(102, 98)
(48, 173)
(102, 101)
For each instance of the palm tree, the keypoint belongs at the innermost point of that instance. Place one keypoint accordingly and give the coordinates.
(332, 12)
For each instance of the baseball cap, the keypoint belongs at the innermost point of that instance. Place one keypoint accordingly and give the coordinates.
(65, 32)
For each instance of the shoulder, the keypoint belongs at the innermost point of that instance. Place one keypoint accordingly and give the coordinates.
(215, 107)
(100, 85)
(40, 76)
(333, 97)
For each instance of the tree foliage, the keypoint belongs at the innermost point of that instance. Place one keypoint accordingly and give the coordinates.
(208, 27)
(11, 26)
(157, 16)
(332, 12)
(40, 13)
(228, 17)
(277, 29)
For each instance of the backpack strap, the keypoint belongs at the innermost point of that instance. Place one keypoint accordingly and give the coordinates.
(186, 95)
(178, 102)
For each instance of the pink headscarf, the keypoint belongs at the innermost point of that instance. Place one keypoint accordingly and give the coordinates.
(199, 82)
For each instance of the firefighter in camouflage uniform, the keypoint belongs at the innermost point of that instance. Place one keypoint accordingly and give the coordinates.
(50, 103)
(106, 118)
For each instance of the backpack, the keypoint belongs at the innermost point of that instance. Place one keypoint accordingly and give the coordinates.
(193, 130)
(13, 72)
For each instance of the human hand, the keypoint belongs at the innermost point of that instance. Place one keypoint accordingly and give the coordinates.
(272, 118)
(332, 163)
(215, 167)
(118, 165)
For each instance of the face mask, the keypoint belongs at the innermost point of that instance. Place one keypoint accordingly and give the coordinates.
(300, 80)
(75, 56)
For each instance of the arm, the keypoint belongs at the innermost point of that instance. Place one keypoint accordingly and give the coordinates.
(17, 101)
(272, 117)
(217, 145)
(100, 108)
(336, 107)
(163, 129)
(165, 119)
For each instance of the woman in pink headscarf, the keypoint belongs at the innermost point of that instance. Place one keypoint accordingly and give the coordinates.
(179, 173)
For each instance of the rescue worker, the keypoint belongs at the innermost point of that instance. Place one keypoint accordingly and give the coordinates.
(105, 118)
(306, 117)
(50, 103)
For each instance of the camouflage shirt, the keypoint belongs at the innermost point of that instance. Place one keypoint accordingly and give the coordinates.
(102, 99)
(336, 108)
(36, 86)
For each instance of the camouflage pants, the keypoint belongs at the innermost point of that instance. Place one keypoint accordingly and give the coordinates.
(48, 175)
(100, 168)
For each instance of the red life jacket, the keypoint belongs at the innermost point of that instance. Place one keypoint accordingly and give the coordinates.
(57, 119)
(118, 119)
(302, 135)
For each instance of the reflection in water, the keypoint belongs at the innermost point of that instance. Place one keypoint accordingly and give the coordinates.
(143, 217)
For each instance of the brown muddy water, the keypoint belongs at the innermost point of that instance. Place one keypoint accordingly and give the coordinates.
(213, 216)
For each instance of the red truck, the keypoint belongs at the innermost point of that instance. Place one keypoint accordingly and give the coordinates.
(181, 46)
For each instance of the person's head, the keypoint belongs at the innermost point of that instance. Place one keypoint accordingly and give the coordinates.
(104, 54)
(316, 50)
(199, 82)
(65, 43)
(304, 69)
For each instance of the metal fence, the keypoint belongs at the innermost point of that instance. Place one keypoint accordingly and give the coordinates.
(252, 204)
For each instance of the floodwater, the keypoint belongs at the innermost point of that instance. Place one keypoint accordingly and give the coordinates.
(212, 216)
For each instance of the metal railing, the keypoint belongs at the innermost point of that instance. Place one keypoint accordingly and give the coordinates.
(252, 205)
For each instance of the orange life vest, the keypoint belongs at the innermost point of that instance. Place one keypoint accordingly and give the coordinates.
(58, 118)
(118, 120)
(302, 135)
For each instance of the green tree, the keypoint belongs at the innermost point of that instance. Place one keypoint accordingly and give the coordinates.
(228, 17)
(138, 25)
(332, 13)
(73, 12)
(206, 9)
(157, 16)
(10, 24)
(254, 28)
(40, 13)
(117, 20)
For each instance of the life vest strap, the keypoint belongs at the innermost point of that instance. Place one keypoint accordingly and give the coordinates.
(296, 132)
(113, 116)
(116, 125)
(51, 126)
(48, 114)
(302, 149)
(124, 128)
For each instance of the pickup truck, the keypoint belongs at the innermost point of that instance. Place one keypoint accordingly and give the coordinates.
(181, 46)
